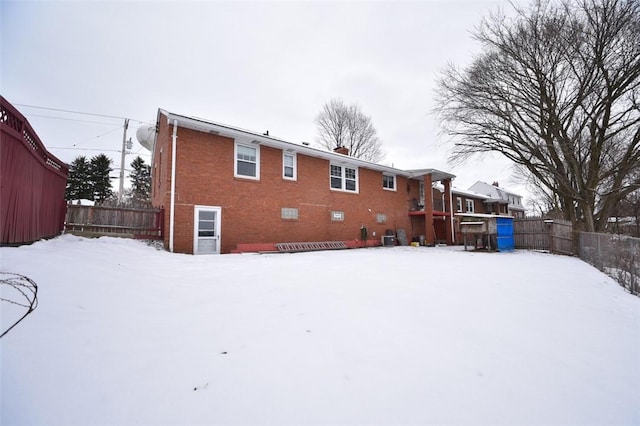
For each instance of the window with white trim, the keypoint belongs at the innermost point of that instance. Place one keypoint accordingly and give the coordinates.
(381, 218)
(343, 178)
(247, 163)
(289, 213)
(289, 166)
(389, 182)
(470, 206)
(458, 204)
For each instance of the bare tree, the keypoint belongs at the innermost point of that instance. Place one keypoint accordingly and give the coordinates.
(556, 89)
(341, 125)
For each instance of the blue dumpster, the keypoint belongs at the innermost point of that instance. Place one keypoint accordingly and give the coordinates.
(505, 238)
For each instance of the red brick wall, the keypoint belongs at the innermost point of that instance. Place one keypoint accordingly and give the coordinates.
(251, 210)
(478, 205)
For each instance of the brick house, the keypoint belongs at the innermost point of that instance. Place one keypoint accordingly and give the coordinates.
(470, 201)
(499, 200)
(233, 190)
(464, 201)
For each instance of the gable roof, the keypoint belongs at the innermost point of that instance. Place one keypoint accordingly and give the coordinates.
(492, 191)
(466, 192)
(248, 136)
(497, 194)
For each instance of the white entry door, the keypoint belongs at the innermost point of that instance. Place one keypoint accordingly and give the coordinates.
(206, 225)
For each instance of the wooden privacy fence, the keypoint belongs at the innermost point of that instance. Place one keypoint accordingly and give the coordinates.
(555, 236)
(115, 221)
(32, 182)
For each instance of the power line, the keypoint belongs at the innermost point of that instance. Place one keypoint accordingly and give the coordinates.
(99, 136)
(85, 149)
(69, 119)
(77, 112)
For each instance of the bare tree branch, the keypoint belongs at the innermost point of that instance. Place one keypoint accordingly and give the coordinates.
(340, 125)
(556, 91)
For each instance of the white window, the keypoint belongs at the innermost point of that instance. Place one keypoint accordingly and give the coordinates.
(470, 208)
(337, 216)
(381, 218)
(459, 204)
(247, 162)
(344, 178)
(389, 182)
(289, 166)
(289, 213)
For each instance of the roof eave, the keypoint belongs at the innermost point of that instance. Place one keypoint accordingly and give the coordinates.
(260, 139)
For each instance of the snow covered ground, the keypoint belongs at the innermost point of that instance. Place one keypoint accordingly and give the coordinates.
(127, 334)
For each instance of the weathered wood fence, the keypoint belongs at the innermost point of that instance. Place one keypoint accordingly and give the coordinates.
(555, 236)
(115, 221)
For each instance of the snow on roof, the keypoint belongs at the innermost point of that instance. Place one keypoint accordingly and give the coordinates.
(248, 136)
(459, 191)
(491, 190)
(435, 174)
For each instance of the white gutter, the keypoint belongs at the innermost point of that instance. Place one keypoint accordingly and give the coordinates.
(173, 183)
(248, 136)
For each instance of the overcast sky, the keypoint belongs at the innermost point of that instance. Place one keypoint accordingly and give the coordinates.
(254, 65)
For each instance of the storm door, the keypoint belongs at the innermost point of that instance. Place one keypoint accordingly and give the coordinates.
(206, 239)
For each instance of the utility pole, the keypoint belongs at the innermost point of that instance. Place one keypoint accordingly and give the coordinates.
(122, 159)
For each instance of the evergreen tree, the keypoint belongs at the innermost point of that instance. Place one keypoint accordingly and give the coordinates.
(79, 185)
(101, 182)
(140, 179)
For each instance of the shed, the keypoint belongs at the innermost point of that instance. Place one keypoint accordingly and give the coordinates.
(489, 231)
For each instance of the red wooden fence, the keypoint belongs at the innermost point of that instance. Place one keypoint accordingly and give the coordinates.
(32, 182)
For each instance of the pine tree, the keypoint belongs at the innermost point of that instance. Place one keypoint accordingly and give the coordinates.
(140, 179)
(101, 182)
(79, 185)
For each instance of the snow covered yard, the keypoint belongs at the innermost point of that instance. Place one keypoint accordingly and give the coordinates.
(126, 334)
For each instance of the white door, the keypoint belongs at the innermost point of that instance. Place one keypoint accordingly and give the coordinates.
(206, 225)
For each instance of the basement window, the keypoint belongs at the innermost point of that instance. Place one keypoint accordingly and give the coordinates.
(337, 216)
(289, 213)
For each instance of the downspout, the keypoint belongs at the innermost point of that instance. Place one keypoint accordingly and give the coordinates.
(453, 231)
(172, 208)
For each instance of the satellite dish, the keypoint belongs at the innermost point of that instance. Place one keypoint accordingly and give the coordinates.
(146, 135)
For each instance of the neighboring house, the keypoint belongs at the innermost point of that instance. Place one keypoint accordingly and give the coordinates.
(225, 189)
(500, 200)
(464, 201)
(32, 204)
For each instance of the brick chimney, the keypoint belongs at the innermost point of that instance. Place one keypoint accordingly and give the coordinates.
(342, 150)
